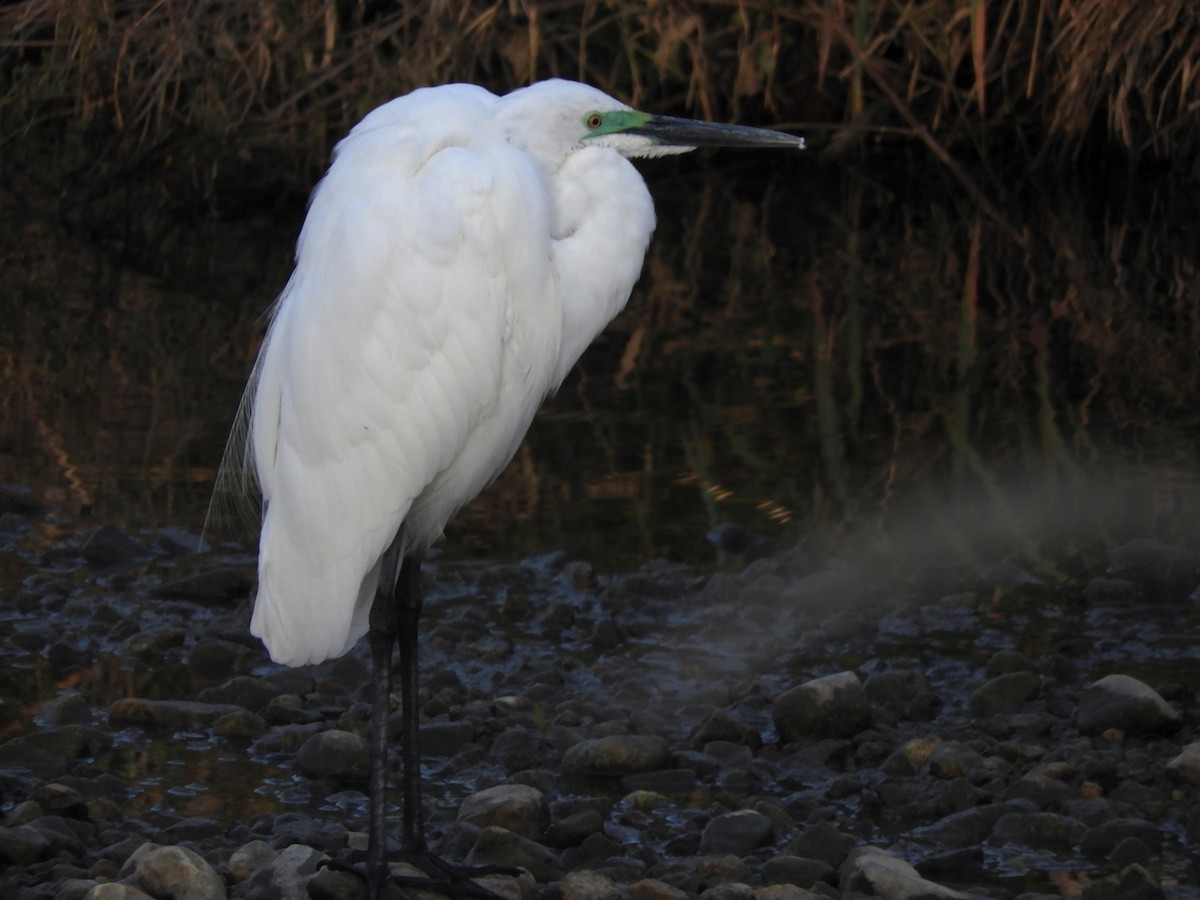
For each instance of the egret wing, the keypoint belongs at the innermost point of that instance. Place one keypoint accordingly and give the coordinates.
(385, 352)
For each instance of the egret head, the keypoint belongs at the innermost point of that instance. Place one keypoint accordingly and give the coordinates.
(553, 118)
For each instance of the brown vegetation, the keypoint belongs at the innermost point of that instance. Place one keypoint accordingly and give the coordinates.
(229, 91)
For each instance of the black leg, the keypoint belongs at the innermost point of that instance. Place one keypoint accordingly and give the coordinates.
(384, 625)
(395, 614)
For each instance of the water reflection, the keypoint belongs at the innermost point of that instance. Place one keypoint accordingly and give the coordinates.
(809, 351)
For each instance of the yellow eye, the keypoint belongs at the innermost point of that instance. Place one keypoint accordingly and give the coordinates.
(593, 120)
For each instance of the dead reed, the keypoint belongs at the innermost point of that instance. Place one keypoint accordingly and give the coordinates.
(226, 92)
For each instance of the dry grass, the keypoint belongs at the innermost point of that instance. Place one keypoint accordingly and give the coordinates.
(230, 89)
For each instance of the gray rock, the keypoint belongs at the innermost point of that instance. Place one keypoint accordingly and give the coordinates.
(574, 828)
(1120, 701)
(737, 832)
(289, 873)
(240, 725)
(1039, 830)
(57, 746)
(242, 690)
(1004, 662)
(951, 759)
(446, 738)
(905, 693)
(730, 890)
(721, 725)
(519, 808)
(108, 545)
(115, 890)
(653, 889)
(334, 754)
(22, 845)
(873, 871)
(1102, 839)
(823, 842)
(1187, 764)
(1046, 792)
(249, 859)
(588, 884)
(1133, 883)
(1156, 567)
(66, 709)
(832, 706)
(620, 754)
(167, 713)
(1003, 693)
(970, 826)
(797, 870)
(330, 884)
(785, 892)
(499, 846)
(178, 873)
(58, 799)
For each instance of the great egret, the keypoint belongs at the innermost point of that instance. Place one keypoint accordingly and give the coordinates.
(459, 255)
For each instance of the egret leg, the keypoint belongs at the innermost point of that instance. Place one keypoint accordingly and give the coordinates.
(395, 614)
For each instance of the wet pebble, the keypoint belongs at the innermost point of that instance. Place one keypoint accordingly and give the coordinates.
(873, 871)
(737, 832)
(516, 807)
(831, 706)
(334, 754)
(175, 872)
(618, 754)
(1124, 703)
(167, 713)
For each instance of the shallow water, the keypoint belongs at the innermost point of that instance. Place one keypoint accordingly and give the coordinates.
(854, 363)
(809, 352)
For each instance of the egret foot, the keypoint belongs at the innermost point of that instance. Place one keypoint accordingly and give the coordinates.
(441, 877)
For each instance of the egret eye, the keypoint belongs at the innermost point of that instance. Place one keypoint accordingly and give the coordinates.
(593, 120)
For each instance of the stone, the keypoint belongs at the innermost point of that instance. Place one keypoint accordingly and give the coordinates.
(873, 871)
(620, 754)
(832, 706)
(57, 746)
(66, 709)
(337, 754)
(59, 799)
(737, 832)
(588, 884)
(178, 714)
(499, 846)
(823, 842)
(653, 889)
(22, 845)
(447, 738)
(116, 891)
(1132, 883)
(241, 690)
(797, 870)
(109, 545)
(178, 873)
(1004, 693)
(951, 759)
(1039, 830)
(519, 808)
(1187, 764)
(1123, 702)
(250, 858)
(572, 829)
(1157, 567)
(904, 693)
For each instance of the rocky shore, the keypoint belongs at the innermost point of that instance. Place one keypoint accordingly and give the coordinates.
(790, 728)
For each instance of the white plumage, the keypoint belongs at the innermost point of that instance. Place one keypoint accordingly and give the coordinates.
(454, 264)
(458, 257)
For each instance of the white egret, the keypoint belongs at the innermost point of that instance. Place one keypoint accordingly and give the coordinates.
(459, 255)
